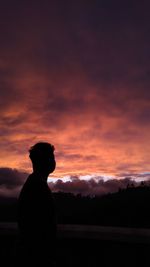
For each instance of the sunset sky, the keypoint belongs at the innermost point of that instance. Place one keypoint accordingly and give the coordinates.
(76, 74)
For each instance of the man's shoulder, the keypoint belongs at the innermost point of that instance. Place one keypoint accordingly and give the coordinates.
(27, 187)
(35, 186)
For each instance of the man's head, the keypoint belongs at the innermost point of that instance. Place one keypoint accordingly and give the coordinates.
(42, 157)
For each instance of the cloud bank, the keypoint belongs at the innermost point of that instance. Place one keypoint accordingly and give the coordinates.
(11, 181)
(97, 186)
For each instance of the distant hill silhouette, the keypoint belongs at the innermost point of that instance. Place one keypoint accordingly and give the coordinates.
(128, 208)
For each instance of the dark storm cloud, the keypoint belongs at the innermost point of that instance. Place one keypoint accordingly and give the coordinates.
(11, 178)
(98, 40)
(93, 37)
(92, 187)
(11, 181)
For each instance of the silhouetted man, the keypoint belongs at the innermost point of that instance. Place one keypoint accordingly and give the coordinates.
(36, 214)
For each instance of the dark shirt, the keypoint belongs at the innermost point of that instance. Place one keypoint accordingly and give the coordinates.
(36, 220)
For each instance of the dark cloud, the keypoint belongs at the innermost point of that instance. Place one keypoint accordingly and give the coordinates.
(11, 181)
(93, 186)
(11, 178)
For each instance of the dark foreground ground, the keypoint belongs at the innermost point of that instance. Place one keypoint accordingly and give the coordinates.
(86, 246)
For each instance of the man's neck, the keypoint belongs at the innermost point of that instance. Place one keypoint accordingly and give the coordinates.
(40, 175)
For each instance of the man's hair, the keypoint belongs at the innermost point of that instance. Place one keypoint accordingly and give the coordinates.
(40, 151)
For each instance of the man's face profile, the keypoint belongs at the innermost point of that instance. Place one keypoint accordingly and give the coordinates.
(42, 157)
(48, 164)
